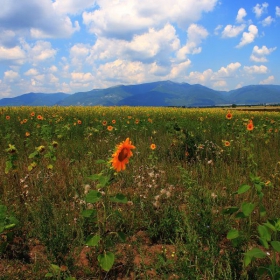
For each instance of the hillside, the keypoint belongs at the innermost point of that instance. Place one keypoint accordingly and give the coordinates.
(163, 93)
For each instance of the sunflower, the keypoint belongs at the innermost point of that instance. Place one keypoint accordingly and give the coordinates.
(229, 116)
(250, 125)
(227, 143)
(122, 154)
(153, 146)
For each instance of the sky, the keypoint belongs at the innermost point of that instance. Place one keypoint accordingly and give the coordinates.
(79, 45)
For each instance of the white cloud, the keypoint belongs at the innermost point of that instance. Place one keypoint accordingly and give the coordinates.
(179, 70)
(259, 54)
(72, 6)
(220, 84)
(15, 53)
(11, 76)
(240, 15)
(214, 79)
(203, 78)
(226, 72)
(39, 52)
(255, 69)
(31, 72)
(217, 29)
(267, 81)
(260, 9)
(154, 45)
(267, 21)
(277, 11)
(248, 37)
(232, 30)
(81, 77)
(53, 69)
(196, 34)
(37, 17)
(123, 19)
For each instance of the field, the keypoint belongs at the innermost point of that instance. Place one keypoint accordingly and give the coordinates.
(139, 193)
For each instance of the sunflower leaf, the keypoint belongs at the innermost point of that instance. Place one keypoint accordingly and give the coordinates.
(119, 198)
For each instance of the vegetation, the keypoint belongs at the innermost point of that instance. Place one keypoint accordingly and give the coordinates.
(139, 193)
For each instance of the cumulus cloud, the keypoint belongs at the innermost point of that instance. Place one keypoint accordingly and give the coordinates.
(277, 11)
(255, 69)
(11, 76)
(240, 15)
(37, 17)
(226, 72)
(259, 54)
(123, 19)
(31, 72)
(195, 35)
(267, 81)
(232, 30)
(72, 6)
(216, 79)
(153, 45)
(267, 21)
(39, 52)
(260, 9)
(248, 37)
(15, 53)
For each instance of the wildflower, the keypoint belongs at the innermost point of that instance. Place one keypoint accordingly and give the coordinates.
(8, 118)
(109, 128)
(40, 149)
(250, 125)
(39, 117)
(27, 134)
(229, 116)
(153, 146)
(79, 122)
(113, 121)
(54, 144)
(136, 121)
(24, 121)
(104, 123)
(122, 155)
(32, 114)
(227, 143)
(12, 149)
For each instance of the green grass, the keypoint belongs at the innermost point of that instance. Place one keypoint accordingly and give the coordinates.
(173, 226)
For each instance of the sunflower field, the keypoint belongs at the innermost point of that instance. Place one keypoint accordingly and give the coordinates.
(139, 193)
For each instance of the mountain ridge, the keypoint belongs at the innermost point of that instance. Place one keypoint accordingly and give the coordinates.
(161, 93)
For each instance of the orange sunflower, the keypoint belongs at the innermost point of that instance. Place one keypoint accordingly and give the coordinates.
(250, 125)
(227, 143)
(110, 128)
(229, 116)
(122, 154)
(153, 146)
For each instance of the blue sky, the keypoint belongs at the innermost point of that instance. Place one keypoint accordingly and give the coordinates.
(78, 45)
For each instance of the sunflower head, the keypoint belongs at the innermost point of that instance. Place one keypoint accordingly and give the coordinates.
(250, 125)
(229, 116)
(122, 154)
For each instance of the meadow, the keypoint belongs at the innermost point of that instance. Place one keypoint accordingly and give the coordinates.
(139, 193)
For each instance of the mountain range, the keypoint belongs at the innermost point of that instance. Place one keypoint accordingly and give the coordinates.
(162, 93)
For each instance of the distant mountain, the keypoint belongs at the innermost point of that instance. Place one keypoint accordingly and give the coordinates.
(163, 93)
(34, 99)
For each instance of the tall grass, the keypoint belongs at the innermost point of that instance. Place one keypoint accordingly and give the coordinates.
(173, 224)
